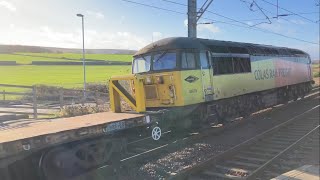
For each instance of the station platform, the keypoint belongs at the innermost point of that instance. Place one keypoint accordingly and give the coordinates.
(306, 172)
(32, 128)
(29, 135)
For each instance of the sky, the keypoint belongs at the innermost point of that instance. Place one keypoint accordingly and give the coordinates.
(118, 24)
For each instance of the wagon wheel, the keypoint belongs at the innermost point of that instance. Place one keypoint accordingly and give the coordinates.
(93, 154)
(116, 164)
(156, 133)
(58, 164)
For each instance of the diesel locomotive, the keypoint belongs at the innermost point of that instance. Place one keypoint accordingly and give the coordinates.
(197, 78)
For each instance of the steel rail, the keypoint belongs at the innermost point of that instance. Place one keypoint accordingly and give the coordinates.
(174, 143)
(255, 173)
(209, 162)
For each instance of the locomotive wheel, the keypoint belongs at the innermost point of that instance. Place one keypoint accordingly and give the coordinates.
(186, 124)
(220, 115)
(245, 110)
(57, 164)
(295, 94)
(204, 114)
(285, 97)
(199, 116)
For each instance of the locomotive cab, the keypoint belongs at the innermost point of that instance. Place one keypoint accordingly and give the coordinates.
(176, 77)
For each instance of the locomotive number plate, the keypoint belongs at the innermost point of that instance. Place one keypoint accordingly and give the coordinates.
(115, 126)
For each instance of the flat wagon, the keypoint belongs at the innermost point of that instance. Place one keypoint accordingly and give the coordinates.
(59, 148)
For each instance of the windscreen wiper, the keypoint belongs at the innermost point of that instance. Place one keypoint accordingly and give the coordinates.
(165, 52)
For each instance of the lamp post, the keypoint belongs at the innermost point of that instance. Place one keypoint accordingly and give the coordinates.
(83, 57)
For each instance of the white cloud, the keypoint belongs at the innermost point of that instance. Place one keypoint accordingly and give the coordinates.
(98, 15)
(156, 36)
(8, 6)
(122, 19)
(274, 27)
(56, 38)
(185, 22)
(298, 21)
(313, 50)
(279, 26)
(283, 27)
(249, 23)
(209, 27)
(202, 27)
(47, 36)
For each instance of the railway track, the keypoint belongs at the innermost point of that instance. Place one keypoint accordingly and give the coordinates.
(147, 145)
(139, 150)
(306, 152)
(256, 157)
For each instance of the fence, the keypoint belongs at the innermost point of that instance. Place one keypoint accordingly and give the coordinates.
(32, 94)
(44, 100)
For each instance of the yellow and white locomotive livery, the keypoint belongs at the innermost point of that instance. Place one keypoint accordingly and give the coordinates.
(228, 78)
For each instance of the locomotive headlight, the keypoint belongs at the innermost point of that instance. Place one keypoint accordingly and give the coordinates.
(160, 80)
(148, 80)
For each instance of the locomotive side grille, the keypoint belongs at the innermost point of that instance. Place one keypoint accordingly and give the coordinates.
(151, 92)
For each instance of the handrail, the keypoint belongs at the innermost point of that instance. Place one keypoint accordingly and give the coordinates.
(138, 102)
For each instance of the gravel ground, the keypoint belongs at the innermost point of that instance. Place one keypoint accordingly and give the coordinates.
(192, 154)
(172, 160)
(305, 154)
(179, 160)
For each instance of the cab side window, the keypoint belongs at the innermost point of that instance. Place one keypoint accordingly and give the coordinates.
(188, 60)
(222, 65)
(241, 65)
(231, 65)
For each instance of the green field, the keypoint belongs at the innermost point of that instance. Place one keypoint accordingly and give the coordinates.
(27, 58)
(110, 57)
(64, 76)
(316, 70)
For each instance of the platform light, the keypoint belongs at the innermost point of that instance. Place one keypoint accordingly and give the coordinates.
(83, 57)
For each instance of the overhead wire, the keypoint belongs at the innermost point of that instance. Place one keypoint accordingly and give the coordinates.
(248, 5)
(261, 29)
(173, 2)
(289, 11)
(181, 4)
(155, 7)
(261, 10)
(275, 17)
(234, 20)
(306, 13)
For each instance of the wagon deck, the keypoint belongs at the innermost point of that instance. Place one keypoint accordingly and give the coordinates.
(30, 135)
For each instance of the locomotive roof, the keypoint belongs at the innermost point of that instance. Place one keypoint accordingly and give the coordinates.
(218, 47)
